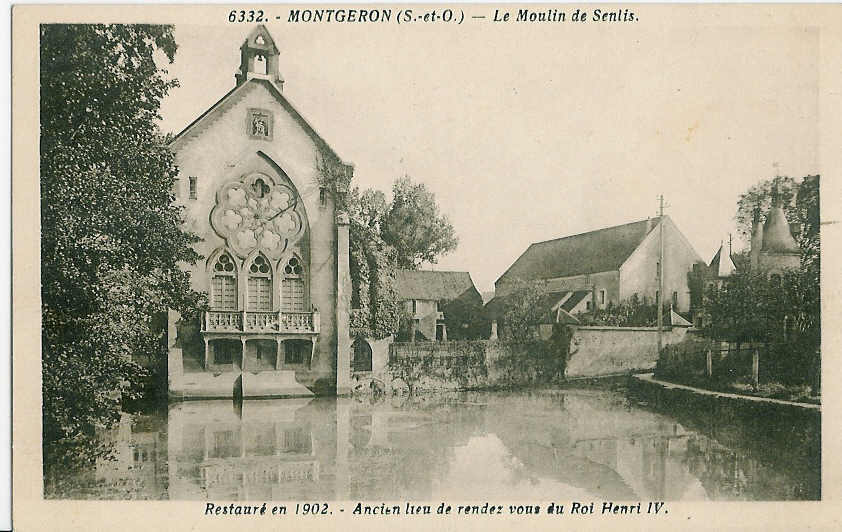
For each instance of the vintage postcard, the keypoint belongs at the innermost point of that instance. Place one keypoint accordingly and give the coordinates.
(445, 265)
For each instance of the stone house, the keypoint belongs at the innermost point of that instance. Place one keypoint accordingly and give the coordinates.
(598, 268)
(276, 269)
(434, 299)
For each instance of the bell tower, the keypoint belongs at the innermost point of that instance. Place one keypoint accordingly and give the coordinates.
(259, 58)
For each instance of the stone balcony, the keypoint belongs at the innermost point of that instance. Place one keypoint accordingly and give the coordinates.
(275, 322)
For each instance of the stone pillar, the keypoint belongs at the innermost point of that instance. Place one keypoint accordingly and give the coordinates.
(279, 352)
(493, 330)
(243, 359)
(173, 318)
(207, 352)
(343, 306)
(413, 326)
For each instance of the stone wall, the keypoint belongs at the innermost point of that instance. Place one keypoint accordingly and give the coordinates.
(482, 364)
(598, 351)
(461, 365)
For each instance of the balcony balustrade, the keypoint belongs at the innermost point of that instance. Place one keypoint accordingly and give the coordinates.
(261, 322)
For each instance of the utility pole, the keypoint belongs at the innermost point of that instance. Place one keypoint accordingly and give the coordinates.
(659, 299)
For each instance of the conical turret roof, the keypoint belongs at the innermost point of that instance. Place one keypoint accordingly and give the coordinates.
(776, 235)
(721, 264)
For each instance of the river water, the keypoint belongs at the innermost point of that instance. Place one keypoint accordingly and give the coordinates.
(548, 445)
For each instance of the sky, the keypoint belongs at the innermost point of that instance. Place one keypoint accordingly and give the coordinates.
(526, 133)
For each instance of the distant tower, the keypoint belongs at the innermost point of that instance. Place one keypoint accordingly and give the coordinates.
(721, 266)
(779, 250)
(259, 58)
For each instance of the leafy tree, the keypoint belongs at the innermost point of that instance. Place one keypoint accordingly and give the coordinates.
(756, 201)
(807, 213)
(414, 227)
(111, 239)
(736, 312)
(386, 237)
(780, 311)
(465, 317)
(523, 311)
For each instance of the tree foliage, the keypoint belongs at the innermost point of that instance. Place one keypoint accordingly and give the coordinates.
(387, 236)
(756, 201)
(111, 233)
(523, 311)
(413, 225)
(781, 311)
(377, 310)
(807, 213)
(800, 201)
(629, 313)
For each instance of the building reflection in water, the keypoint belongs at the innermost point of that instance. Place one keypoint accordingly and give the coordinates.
(573, 443)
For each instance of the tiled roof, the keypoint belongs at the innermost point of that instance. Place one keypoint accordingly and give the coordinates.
(433, 285)
(597, 251)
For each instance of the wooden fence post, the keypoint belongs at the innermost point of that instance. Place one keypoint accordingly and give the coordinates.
(709, 364)
(755, 369)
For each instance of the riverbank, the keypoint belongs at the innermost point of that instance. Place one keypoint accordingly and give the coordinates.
(649, 379)
(782, 434)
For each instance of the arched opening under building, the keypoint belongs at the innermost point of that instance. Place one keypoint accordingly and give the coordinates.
(362, 356)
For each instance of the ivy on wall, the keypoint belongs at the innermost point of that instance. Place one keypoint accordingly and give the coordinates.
(376, 310)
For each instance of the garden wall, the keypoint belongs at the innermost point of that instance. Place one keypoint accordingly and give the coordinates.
(599, 350)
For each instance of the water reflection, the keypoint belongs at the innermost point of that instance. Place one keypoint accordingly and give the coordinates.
(550, 445)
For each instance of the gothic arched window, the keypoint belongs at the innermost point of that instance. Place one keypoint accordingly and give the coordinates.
(292, 286)
(224, 283)
(259, 285)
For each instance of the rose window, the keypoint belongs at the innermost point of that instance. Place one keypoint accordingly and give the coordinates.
(255, 212)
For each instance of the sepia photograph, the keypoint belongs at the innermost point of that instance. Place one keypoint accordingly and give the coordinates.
(395, 260)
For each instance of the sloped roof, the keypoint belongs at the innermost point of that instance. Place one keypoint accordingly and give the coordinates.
(721, 265)
(677, 321)
(435, 285)
(497, 306)
(596, 251)
(575, 299)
